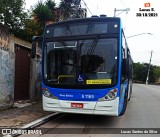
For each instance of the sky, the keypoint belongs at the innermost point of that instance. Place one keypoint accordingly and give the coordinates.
(141, 45)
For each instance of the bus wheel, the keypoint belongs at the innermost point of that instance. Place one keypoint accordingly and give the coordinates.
(124, 104)
(130, 92)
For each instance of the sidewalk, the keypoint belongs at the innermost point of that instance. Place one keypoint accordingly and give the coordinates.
(21, 113)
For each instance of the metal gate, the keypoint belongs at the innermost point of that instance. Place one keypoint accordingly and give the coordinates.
(22, 73)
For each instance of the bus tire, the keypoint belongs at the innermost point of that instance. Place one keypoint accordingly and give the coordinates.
(125, 104)
(130, 91)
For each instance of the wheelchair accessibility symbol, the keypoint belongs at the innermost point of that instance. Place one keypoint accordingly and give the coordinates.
(80, 78)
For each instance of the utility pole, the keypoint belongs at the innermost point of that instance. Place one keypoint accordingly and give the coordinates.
(149, 68)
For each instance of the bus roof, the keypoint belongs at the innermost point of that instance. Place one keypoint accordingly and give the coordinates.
(108, 19)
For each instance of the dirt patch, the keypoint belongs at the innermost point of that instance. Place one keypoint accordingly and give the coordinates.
(17, 117)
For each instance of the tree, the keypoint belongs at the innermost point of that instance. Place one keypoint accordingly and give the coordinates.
(36, 19)
(51, 5)
(140, 72)
(65, 9)
(69, 9)
(12, 14)
(30, 29)
(157, 73)
(43, 12)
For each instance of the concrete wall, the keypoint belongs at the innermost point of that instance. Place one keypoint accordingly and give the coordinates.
(21, 42)
(35, 92)
(7, 68)
(35, 75)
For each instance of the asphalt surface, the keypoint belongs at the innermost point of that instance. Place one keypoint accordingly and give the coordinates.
(142, 112)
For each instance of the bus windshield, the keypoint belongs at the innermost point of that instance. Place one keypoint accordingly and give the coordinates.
(81, 62)
(81, 28)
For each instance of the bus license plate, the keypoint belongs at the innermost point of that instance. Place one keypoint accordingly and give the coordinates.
(77, 105)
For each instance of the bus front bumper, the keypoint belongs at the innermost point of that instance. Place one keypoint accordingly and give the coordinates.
(89, 107)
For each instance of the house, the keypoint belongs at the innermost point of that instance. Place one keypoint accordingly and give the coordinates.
(18, 73)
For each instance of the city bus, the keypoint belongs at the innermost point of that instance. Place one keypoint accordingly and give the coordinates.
(86, 66)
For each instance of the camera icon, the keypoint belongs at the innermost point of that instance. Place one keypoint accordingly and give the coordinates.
(6, 132)
(147, 4)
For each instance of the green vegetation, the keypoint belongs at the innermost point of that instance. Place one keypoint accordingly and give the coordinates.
(43, 12)
(12, 14)
(65, 9)
(27, 24)
(140, 73)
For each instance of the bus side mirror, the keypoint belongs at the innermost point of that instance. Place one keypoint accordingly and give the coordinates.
(125, 67)
(35, 39)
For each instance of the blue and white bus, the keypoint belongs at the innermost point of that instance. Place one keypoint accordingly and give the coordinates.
(86, 66)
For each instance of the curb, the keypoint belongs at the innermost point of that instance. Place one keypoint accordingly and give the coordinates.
(39, 121)
(33, 124)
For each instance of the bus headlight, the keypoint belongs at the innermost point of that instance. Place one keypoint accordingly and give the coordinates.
(110, 95)
(47, 93)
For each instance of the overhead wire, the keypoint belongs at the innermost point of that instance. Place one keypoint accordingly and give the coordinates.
(87, 7)
(124, 5)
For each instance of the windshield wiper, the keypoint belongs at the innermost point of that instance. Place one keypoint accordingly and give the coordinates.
(66, 49)
(91, 50)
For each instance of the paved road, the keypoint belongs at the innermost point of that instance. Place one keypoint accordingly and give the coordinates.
(143, 111)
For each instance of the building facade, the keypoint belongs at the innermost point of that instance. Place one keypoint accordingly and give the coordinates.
(18, 72)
